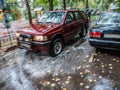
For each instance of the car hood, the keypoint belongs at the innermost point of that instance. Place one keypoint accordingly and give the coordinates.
(38, 29)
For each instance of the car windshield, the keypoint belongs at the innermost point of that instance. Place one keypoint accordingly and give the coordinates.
(109, 19)
(52, 17)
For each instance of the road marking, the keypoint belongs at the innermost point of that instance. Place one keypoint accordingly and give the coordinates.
(91, 57)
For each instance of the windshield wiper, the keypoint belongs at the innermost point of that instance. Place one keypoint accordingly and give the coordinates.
(49, 22)
(41, 22)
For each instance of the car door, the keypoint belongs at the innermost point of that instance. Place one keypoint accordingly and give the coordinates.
(78, 22)
(69, 25)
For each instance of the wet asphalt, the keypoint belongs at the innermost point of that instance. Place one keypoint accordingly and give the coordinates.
(78, 67)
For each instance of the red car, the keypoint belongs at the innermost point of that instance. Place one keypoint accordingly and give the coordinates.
(53, 30)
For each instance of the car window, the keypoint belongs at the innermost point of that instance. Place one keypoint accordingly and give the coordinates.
(52, 17)
(84, 14)
(77, 15)
(69, 17)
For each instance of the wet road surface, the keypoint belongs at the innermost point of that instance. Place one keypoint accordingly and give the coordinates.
(78, 67)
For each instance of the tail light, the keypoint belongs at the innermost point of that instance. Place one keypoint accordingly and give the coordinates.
(96, 34)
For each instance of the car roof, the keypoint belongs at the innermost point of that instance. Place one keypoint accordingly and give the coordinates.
(111, 13)
(63, 10)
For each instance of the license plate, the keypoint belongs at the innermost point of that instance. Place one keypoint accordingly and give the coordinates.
(26, 39)
(25, 45)
(112, 36)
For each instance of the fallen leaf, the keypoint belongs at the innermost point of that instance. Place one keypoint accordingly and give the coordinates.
(64, 88)
(78, 67)
(87, 56)
(114, 59)
(57, 79)
(117, 61)
(90, 80)
(95, 80)
(40, 82)
(53, 79)
(87, 87)
(100, 77)
(102, 66)
(87, 66)
(53, 84)
(103, 71)
(81, 73)
(81, 84)
(48, 83)
(67, 82)
(109, 64)
(111, 67)
(86, 71)
(69, 77)
(48, 72)
(98, 60)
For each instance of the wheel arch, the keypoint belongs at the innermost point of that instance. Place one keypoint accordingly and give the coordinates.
(58, 35)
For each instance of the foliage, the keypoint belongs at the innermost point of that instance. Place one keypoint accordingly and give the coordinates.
(118, 4)
(44, 3)
(13, 6)
(11, 1)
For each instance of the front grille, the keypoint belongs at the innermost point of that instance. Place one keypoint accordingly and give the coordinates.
(25, 38)
(25, 41)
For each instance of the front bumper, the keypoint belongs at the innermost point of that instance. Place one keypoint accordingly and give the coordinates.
(36, 46)
(104, 44)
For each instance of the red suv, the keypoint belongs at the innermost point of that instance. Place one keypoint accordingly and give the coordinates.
(52, 30)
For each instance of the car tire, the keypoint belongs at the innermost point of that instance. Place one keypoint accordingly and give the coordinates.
(56, 47)
(83, 33)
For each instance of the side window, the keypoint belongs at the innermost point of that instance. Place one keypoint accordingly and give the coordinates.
(69, 17)
(78, 16)
(84, 14)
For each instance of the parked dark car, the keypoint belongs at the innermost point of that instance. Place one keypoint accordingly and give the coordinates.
(106, 33)
(53, 30)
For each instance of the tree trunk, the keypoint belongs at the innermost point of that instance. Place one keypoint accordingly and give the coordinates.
(29, 11)
(87, 6)
(64, 4)
(50, 4)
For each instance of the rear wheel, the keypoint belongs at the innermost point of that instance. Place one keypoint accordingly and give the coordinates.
(56, 47)
(84, 32)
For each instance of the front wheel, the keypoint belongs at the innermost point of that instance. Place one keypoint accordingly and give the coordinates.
(84, 32)
(56, 47)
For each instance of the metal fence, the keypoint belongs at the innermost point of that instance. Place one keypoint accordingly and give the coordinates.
(7, 41)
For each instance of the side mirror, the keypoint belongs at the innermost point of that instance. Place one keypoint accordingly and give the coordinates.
(68, 21)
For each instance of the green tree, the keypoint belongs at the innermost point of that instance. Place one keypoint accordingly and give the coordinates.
(13, 6)
(46, 3)
(118, 4)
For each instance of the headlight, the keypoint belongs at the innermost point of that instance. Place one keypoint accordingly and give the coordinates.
(17, 35)
(40, 38)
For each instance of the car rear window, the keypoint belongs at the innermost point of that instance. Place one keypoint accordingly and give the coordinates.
(109, 19)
